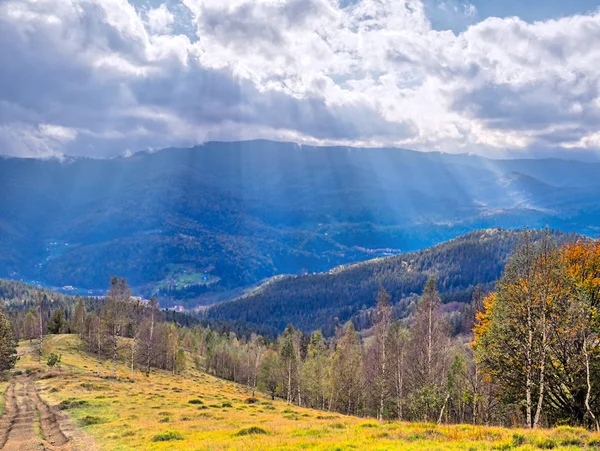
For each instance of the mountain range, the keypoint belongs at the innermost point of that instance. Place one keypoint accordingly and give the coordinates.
(197, 225)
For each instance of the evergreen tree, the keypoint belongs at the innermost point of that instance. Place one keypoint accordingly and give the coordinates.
(8, 344)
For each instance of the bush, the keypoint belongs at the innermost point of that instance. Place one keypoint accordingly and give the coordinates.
(72, 404)
(53, 360)
(226, 404)
(518, 439)
(167, 436)
(251, 431)
(546, 444)
(251, 401)
(195, 401)
(89, 420)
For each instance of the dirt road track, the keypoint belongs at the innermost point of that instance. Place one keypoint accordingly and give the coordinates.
(29, 424)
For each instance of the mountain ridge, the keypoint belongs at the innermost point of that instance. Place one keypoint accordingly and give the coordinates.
(254, 209)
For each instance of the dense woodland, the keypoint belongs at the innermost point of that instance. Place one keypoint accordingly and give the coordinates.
(532, 358)
(325, 300)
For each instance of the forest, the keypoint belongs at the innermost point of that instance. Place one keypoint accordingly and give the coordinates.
(530, 357)
(325, 300)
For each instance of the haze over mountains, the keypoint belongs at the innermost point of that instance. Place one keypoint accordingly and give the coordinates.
(191, 224)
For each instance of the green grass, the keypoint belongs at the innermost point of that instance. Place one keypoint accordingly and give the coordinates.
(3, 387)
(124, 416)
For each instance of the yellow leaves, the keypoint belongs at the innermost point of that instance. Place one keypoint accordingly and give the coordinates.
(482, 322)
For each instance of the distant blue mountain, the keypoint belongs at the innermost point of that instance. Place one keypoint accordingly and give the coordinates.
(192, 224)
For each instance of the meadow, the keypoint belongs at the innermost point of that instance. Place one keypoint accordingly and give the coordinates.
(196, 411)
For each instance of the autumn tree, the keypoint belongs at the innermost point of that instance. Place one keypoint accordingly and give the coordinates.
(514, 335)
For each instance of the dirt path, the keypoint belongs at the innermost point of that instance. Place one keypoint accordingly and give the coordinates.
(28, 423)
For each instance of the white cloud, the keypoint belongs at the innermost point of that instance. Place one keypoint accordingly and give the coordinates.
(98, 77)
(160, 20)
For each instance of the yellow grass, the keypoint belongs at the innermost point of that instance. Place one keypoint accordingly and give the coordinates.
(130, 416)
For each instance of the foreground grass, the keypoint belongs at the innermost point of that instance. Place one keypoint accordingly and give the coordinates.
(3, 387)
(199, 412)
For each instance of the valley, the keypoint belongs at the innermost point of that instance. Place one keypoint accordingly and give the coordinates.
(252, 210)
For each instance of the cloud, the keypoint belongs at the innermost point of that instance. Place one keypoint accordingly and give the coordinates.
(103, 77)
(160, 20)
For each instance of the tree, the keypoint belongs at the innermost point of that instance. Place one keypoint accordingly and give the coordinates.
(398, 337)
(30, 325)
(114, 316)
(429, 348)
(347, 373)
(288, 358)
(383, 317)
(94, 337)
(256, 349)
(78, 318)
(582, 266)
(40, 306)
(148, 337)
(8, 344)
(267, 373)
(180, 361)
(514, 335)
(57, 323)
(316, 374)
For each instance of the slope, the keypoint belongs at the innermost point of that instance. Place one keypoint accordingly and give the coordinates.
(320, 301)
(197, 411)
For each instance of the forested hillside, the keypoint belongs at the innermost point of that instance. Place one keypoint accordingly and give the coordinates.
(321, 301)
(192, 225)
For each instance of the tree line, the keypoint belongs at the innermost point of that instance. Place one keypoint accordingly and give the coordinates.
(530, 359)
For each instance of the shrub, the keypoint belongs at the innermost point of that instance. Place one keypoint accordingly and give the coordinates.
(195, 401)
(518, 439)
(167, 436)
(72, 404)
(251, 431)
(251, 401)
(89, 420)
(53, 360)
(226, 404)
(546, 444)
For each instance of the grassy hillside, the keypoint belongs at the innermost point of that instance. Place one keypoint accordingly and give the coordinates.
(314, 301)
(195, 411)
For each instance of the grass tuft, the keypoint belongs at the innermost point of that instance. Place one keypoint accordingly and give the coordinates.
(167, 436)
(251, 431)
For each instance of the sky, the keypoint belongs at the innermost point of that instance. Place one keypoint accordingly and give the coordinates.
(102, 78)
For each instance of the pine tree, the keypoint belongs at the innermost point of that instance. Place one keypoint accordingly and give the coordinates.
(8, 344)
